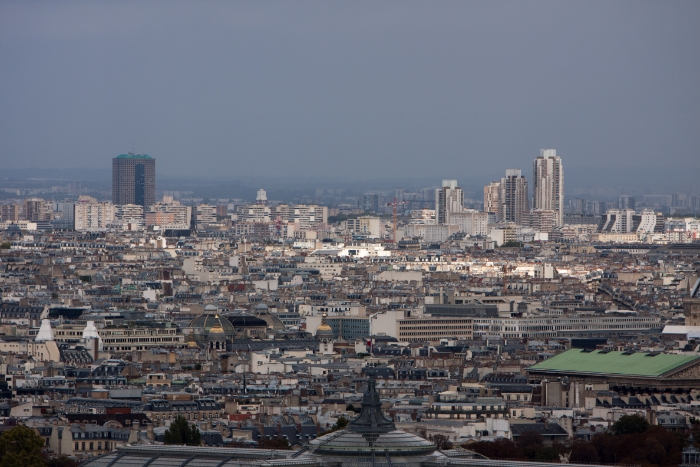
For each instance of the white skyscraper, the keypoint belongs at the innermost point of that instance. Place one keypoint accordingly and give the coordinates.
(548, 184)
(449, 198)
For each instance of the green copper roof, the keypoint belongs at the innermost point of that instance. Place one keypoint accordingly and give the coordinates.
(133, 156)
(636, 364)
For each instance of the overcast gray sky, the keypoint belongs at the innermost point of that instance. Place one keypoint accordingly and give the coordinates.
(350, 88)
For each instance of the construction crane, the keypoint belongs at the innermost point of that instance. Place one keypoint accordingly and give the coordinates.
(395, 204)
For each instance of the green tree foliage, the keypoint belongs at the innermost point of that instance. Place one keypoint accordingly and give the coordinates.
(21, 446)
(654, 447)
(5, 245)
(512, 244)
(442, 442)
(181, 432)
(628, 424)
(62, 461)
(501, 448)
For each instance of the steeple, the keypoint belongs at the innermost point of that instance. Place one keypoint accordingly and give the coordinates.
(371, 418)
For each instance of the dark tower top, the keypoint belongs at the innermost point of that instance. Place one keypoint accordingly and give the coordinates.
(371, 418)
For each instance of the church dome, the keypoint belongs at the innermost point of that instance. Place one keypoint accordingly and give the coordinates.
(372, 439)
(246, 321)
(212, 322)
(324, 331)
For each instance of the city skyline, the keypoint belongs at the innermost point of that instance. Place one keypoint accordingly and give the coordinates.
(238, 90)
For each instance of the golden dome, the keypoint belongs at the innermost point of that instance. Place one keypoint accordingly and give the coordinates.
(217, 329)
(324, 328)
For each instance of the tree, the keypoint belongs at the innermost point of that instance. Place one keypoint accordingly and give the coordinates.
(629, 424)
(21, 446)
(181, 432)
(274, 443)
(62, 461)
(501, 448)
(583, 453)
(5, 245)
(442, 442)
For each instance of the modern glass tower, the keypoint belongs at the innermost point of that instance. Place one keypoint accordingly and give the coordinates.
(134, 179)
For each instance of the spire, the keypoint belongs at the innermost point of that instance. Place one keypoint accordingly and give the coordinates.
(371, 418)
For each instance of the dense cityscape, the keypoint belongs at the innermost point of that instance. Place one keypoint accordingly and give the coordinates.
(525, 325)
(307, 233)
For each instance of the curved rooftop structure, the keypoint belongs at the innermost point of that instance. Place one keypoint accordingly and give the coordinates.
(372, 439)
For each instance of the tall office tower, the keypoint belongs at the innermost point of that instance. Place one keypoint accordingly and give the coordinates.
(134, 180)
(548, 184)
(513, 197)
(449, 198)
(491, 193)
(625, 202)
(370, 202)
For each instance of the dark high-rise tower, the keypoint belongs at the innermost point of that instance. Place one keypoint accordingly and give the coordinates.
(134, 179)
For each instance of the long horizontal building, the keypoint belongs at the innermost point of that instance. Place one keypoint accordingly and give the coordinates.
(124, 339)
(611, 325)
(433, 329)
(635, 372)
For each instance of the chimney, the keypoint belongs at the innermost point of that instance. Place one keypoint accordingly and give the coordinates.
(149, 432)
(135, 432)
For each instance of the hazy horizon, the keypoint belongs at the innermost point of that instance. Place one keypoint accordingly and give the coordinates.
(354, 91)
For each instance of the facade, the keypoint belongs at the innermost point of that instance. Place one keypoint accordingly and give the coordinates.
(541, 327)
(449, 198)
(626, 221)
(169, 214)
(513, 197)
(365, 225)
(543, 220)
(91, 215)
(34, 209)
(471, 222)
(206, 214)
(491, 197)
(548, 184)
(134, 179)
(433, 329)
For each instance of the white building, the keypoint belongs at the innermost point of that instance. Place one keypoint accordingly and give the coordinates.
(469, 221)
(548, 184)
(449, 198)
(206, 214)
(431, 232)
(365, 225)
(91, 215)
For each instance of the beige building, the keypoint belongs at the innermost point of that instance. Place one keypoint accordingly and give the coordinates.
(434, 329)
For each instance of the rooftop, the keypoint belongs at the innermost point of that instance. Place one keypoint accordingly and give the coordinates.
(133, 156)
(618, 363)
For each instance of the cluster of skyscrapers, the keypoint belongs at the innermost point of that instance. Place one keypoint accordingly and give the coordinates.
(508, 199)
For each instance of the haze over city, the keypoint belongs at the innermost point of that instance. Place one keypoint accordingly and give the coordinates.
(354, 91)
